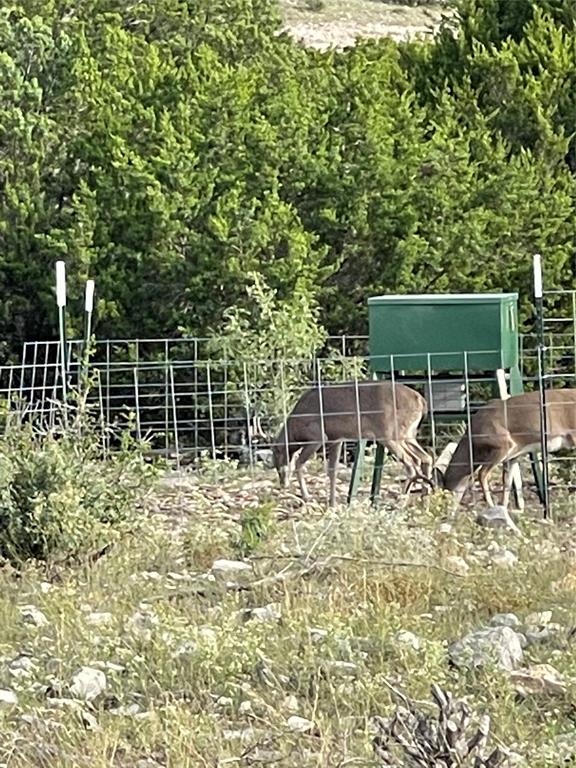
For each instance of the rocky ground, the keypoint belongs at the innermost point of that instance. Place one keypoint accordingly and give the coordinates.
(337, 23)
(238, 627)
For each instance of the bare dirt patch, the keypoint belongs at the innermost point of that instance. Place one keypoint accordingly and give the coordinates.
(338, 23)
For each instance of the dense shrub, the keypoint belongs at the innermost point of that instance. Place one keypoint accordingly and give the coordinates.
(59, 499)
(171, 149)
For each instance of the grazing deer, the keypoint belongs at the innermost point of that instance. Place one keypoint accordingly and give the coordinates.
(369, 410)
(502, 431)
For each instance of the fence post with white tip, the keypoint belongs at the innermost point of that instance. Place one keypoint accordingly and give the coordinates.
(88, 310)
(61, 302)
(539, 304)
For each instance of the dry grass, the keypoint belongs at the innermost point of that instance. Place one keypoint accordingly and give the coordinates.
(194, 681)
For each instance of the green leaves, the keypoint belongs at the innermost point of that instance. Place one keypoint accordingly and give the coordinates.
(172, 149)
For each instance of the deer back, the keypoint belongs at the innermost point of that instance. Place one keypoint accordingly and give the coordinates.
(351, 410)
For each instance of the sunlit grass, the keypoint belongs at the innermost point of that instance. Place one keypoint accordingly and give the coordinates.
(193, 681)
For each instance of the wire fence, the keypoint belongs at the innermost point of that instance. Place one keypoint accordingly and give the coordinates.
(170, 391)
(188, 404)
(191, 408)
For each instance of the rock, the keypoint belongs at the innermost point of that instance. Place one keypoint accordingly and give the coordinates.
(457, 564)
(536, 635)
(8, 699)
(148, 715)
(177, 576)
(538, 619)
(149, 576)
(408, 639)
(99, 618)
(522, 639)
(224, 702)
(88, 683)
(497, 517)
(225, 570)
(515, 760)
(290, 703)
(129, 710)
(504, 558)
(245, 708)
(245, 735)
(264, 614)
(22, 666)
(186, 649)
(110, 666)
(89, 721)
(142, 624)
(444, 529)
(495, 645)
(299, 724)
(317, 634)
(32, 615)
(505, 620)
(60, 702)
(341, 668)
(538, 678)
(563, 748)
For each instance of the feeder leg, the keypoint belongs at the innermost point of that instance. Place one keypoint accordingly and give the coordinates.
(377, 476)
(356, 470)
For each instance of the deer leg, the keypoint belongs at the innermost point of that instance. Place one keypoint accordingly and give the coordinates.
(483, 477)
(508, 471)
(461, 491)
(333, 456)
(422, 463)
(406, 459)
(307, 451)
(423, 457)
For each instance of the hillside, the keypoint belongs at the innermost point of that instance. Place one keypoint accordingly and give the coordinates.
(325, 23)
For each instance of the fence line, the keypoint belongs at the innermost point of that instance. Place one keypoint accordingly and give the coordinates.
(191, 405)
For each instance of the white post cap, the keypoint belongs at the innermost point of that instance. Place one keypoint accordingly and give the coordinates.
(89, 296)
(61, 283)
(537, 276)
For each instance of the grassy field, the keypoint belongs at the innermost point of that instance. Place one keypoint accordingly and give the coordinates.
(336, 23)
(287, 661)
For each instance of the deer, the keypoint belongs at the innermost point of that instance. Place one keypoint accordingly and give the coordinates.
(502, 431)
(326, 415)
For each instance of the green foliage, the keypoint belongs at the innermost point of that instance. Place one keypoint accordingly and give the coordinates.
(271, 346)
(255, 526)
(171, 150)
(59, 499)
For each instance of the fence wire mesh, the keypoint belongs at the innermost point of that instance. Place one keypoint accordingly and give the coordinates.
(189, 405)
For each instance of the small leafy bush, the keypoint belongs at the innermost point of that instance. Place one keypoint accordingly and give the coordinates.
(60, 499)
(255, 526)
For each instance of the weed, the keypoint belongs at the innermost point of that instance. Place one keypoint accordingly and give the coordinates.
(59, 499)
(255, 526)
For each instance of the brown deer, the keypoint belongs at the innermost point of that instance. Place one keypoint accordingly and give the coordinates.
(327, 415)
(502, 431)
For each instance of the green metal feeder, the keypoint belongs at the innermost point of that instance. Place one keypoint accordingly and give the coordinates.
(444, 341)
(444, 332)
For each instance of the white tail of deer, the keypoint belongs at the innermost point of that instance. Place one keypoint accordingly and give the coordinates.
(502, 431)
(368, 410)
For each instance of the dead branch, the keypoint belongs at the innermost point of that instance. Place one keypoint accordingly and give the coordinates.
(448, 739)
